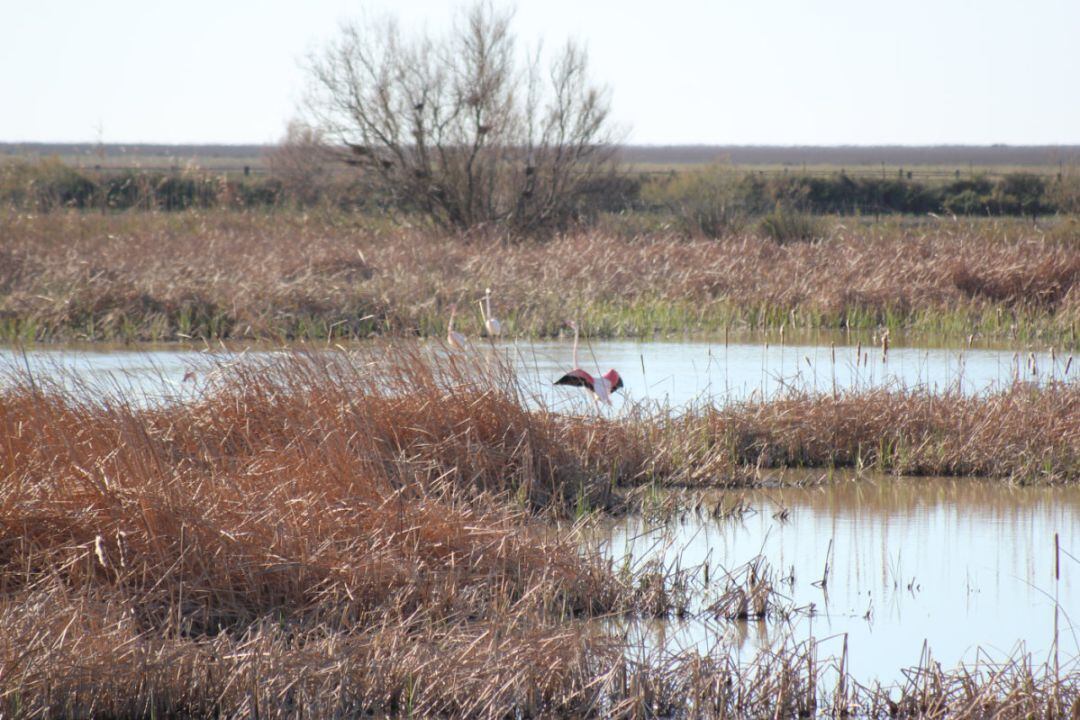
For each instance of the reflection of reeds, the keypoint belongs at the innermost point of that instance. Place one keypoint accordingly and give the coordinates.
(748, 593)
(792, 682)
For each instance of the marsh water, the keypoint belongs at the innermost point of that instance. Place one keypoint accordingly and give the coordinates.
(661, 372)
(964, 566)
(882, 564)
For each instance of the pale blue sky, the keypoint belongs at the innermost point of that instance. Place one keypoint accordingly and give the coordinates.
(765, 72)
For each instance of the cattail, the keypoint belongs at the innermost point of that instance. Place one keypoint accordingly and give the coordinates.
(885, 346)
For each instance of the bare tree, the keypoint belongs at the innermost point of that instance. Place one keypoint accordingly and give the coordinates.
(302, 162)
(467, 127)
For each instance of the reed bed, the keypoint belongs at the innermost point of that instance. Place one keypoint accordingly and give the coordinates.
(1020, 433)
(324, 534)
(228, 274)
(281, 544)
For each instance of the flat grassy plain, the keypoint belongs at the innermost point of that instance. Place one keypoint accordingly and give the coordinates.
(225, 274)
(1045, 159)
(391, 533)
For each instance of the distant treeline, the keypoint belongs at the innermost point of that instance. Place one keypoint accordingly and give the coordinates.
(50, 185)
(851, 156)
(716, 193)
(1012, 194)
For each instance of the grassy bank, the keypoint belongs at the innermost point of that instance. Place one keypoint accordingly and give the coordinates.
(261, 553)
(228, 274)
(332, 535)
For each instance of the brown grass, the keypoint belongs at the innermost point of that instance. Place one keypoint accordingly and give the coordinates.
(326, 535)
(147, 276)
(1020, 433)
(162, 558)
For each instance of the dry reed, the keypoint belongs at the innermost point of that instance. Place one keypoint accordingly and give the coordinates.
(329, 535)
(147, 276)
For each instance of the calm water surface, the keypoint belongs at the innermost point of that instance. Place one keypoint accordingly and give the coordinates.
(668, 373)
(957, 564)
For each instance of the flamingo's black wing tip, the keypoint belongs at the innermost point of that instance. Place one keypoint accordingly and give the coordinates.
(618, 384)
(573, 380)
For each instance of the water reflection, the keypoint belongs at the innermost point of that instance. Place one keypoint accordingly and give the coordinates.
(959, 564)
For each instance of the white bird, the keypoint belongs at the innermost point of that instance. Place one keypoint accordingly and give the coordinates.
(493, 326)
(453, 338)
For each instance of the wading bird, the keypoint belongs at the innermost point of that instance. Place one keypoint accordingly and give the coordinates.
(453, 338)
(601, 387)
(493, 326)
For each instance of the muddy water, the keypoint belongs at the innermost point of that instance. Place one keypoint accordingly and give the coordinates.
(669, 373)
(960, 565)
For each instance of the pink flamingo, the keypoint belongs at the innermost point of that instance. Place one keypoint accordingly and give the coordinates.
(453, 338)
(600, 387)
(493, 326)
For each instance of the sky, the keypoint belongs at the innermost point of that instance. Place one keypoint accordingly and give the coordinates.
(774, 72)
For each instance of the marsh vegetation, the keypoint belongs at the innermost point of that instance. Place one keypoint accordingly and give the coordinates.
(399, 532)
(224, 274)
(339, 515)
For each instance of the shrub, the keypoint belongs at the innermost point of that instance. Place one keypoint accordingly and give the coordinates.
(708, 203)
(1021, 194)
(785, 225)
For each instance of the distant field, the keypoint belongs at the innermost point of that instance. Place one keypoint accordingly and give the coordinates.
(225, 158)
(926, 163)
(908, 171)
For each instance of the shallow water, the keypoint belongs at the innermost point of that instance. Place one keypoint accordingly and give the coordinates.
(957, 564)
(678, 373)
(668, 373)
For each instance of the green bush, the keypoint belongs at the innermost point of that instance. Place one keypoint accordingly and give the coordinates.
(966, 202)
(785, 225)
(707, 203)
(1021, 194)
(1064, 193)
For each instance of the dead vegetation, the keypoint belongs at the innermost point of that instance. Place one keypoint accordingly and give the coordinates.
(1020, 433)
(330, 535)
(169, 276)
